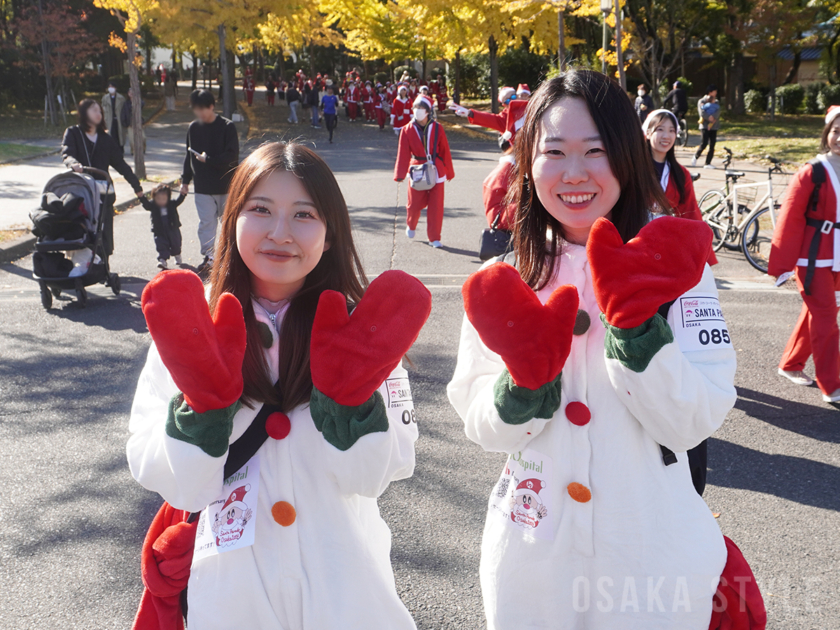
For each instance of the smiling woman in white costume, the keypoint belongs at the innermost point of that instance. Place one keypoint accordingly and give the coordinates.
(596, 363)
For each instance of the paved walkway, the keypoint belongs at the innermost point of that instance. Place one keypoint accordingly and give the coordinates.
(21, 184)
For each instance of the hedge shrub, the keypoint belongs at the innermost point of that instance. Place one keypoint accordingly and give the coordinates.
(755, 102)
(789, 98)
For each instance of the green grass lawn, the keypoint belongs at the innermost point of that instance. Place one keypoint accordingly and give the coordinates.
(10, 151)
(794, 139)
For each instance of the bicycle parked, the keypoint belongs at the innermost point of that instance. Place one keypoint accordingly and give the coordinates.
(736, 219)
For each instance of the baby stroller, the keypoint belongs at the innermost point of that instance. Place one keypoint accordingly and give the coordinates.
(69, 223)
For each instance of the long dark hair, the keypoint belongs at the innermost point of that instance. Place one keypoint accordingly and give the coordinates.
(339, 269)
(84, 123)
(618, 126)
(674, 168)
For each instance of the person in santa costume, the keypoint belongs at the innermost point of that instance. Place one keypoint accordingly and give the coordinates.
(422, 140)
(507, 122)
(352, 97)
(806, 244)
(381, 107)
(498, 208)
(297, 360)
(660, 129)
(441, 94)
(367, 101)
(595, 357)
(249, 86)
(400, 109)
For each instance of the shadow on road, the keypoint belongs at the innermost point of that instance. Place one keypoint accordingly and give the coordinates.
(793, 478)
(813, 421)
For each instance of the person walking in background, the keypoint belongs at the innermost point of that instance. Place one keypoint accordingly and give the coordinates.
(644, 103)
(87, 144)
(127, 120)
(310, 94)
(159, 75)
(166, 225)
(112, 104)
(400, 109)
(270, 86)
(248, 87)
(170, 92)
(211, 158)
(329, 103)
(708, 109)
(677, 101)
(423, 141)
(293, 99)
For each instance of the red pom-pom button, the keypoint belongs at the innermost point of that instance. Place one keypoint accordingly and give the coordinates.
(278, 425)
(578, 414)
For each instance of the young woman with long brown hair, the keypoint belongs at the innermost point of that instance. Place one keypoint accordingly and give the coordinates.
(583, 363)
(296, 360)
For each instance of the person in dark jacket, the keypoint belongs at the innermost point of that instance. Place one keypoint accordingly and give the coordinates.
(677, 101)
(293, 99)
(644, 103)
(127, 120)
(166, 225)
(87, 144)
(211, 158)
(310, 95)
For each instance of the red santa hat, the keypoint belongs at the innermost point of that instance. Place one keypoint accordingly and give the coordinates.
(530, 486)
(523, 88)
(423, 100)
(831, 114)
(505, 93)
(515, 118)
(235, 498)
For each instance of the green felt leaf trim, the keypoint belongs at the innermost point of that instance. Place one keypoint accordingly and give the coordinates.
(343, 425)
(210, 431)
(518, 405)
(635, 347)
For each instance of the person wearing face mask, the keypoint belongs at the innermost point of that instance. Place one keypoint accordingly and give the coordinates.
(806, 244)
(421, 139)
(644, 103)
(507, 122)
(582, 357)
(112, 105)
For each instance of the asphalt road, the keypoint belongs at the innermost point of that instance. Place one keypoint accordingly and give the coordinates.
(74, 520)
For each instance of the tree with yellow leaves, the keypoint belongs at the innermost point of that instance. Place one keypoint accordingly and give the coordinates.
(130, 14)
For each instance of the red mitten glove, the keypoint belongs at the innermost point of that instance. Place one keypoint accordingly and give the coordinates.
(203, 354)
(631, 281)
(533, 339)
(352, 355)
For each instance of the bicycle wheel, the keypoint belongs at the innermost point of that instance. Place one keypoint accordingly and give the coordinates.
(755, 240)
(717, 215)
(733, 240)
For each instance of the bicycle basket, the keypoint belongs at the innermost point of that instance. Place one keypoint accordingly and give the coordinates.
(746, 196)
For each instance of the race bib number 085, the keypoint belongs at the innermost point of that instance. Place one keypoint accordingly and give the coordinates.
(699, 325)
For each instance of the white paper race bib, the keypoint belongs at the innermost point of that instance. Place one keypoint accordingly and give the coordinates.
(699, 323)
(398, 396)
(228, 523)
(522, 496)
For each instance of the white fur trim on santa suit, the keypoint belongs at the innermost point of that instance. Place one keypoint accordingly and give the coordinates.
(290, 578)
(505, 93)
(831, 114)
(523, 89)
(644, 522)
(423, 100)
(656, 112)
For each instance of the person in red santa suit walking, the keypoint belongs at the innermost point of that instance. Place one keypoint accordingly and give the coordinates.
(248, 86)
(367, 101)
(442, 94)
(495, 193)
(352, 98)
(421, 139)
(380, 104)
(400, 109)
(806, 244)
(660, 129)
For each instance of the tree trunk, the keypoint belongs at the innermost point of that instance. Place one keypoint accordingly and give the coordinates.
(45, 55)
(773, 91)
(423, 78)
(794, 69)
(147, 45)
(622, 77)
(735, 84)
(136, 108)
(227, 101)
(494, 74)
(194, 71)
(561, 34)
(457, 95)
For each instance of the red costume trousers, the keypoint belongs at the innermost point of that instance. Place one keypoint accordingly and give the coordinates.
(368, 111)
(249, 94)
(816, 331)
(432, 200)
(353, 110)
(380, 117)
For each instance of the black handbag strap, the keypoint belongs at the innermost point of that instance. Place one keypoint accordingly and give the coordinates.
(818, 178)
(246, 446)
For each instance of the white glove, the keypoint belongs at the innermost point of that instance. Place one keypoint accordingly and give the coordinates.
(507, 135)
(459, 110)
(392, 120)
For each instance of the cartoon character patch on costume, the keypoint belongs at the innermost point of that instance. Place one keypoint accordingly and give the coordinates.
(526, 506)
(230, 521)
